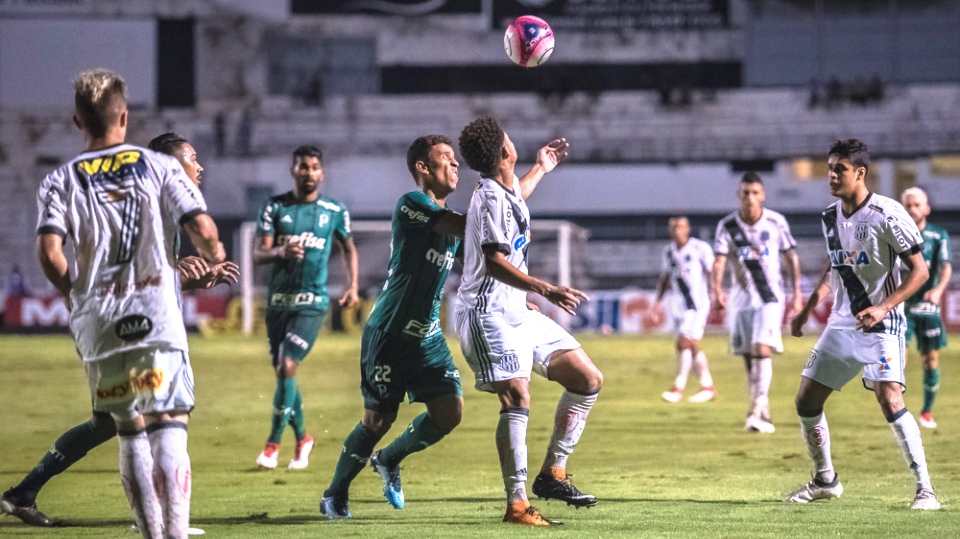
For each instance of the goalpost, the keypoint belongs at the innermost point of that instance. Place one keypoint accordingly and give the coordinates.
(558, 254)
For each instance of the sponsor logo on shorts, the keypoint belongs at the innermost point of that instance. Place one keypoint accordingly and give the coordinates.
(452, 374)
(509, 362)
(147, 380)
(297, 340)
(133, 327)
(885, 363)
(811, 359)
(935, 332)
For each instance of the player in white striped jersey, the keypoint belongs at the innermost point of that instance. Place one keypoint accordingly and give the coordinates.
(868, 237)
(686, 266)
(755, 238)
(121, 207)
(502, 340)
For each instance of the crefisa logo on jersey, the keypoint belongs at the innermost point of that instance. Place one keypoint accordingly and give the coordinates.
(133, 327)
(861, 232)
(839, 257)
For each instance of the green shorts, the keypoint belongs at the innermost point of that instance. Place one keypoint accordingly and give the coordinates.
(931, 335)
(292, 332)
(391, 367)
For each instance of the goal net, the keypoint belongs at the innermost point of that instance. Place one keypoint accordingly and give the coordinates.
(557, 254)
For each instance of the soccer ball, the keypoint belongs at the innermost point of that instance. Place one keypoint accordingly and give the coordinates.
(528, 41)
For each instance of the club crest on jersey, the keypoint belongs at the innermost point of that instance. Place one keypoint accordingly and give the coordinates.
(839, 257)
(764, 236)
(133, 327)
(862, 231)
(324, 219)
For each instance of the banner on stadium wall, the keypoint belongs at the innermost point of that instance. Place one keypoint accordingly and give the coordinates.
(406, 8)
(616, 14)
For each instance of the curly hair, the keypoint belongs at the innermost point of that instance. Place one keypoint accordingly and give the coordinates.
(853, 150)
(481, 142)
(168, 143)
(420, 150)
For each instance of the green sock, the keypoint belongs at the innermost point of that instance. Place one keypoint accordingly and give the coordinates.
(357, 448)
(931, 383)
(421, 434)
(296, 418)
(70, 447)
(283, 401)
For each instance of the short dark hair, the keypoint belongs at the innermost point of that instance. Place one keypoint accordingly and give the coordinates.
(751, 177)
(420, 150)
(308, 150)
(167, 143)
(100, 99)
(481, 144)
(852, 150)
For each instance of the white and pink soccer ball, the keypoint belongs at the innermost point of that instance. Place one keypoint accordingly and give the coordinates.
(528, 41)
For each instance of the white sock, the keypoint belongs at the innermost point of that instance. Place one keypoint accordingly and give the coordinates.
(907, 431)
(816, 434)
(703, 370)
(568, 424)
(684, 362)
(761, 370)
(512, 448)
(172, 475)
(136, 466)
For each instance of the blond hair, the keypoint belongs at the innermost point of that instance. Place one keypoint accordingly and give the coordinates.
(913, 192)
(100, 97)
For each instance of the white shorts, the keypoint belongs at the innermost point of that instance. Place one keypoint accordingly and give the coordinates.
(689, 323)
(141, 381)
(497, 350)
(840, 354)
(757, 326)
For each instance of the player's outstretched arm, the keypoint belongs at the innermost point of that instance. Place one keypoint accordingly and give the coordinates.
(821, 291)
(203, 234)
(716, 280)
(500, 269)
(54, 262)
(918, 274)
(196, 273)
(451, 224)
(350, 297)
(547, 159)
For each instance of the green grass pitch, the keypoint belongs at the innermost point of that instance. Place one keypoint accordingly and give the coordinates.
(660, 470)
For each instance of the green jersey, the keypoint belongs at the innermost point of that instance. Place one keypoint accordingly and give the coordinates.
(936, 252)
(302, 284)
(420, 260)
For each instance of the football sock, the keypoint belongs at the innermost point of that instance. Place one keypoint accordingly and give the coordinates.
(136, 473)
(296, 417)
(357, 448)
(752, 374)
(816, 434)
(70, 447)
(284, 398)
(907, 431)
(419, 435)
(931, 383)
(512, 448)
(684, 362)
(703, 369)
(172, 474)
(763, 376)
(568, 424)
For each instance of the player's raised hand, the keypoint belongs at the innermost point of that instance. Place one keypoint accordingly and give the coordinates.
(870, 317)
(566, 298)
(349, 298)
(552, 154)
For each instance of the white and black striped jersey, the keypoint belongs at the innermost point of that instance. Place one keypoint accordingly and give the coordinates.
(497, 219)
(688, 267)
(754, 254)
(120, 209)
(864, 251)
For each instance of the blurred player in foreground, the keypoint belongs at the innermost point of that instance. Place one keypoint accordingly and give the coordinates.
(295, 237)
(403, 351)
(501, 338)
(686, 267)
(923, 307)
(74, 444)
(121, 207)
(755, 238)
(868, 238)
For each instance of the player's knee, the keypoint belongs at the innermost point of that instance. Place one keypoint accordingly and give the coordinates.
(807, 409)
(595, 380)
(377, 422)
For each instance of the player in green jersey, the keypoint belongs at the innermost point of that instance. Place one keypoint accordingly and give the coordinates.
(923, 308)
(403, 350)
(295, 233)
